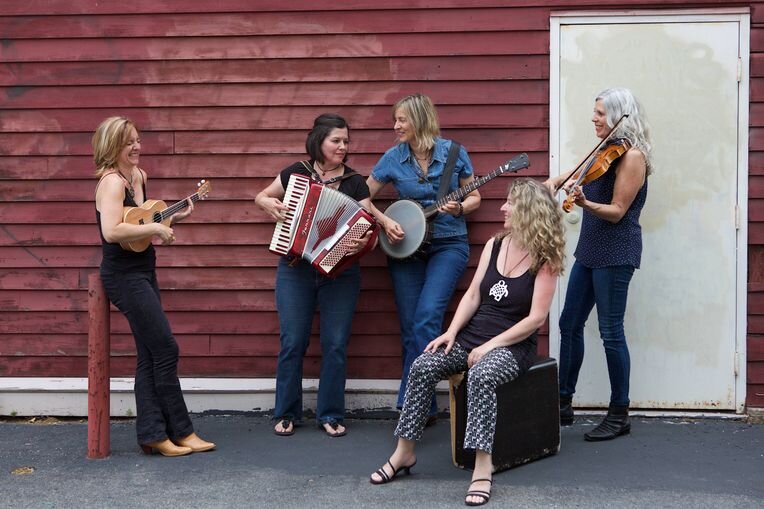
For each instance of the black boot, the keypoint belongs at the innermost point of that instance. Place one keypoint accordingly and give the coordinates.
(615, 424)
(566, 410)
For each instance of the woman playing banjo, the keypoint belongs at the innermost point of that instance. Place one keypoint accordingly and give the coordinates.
(423, 283)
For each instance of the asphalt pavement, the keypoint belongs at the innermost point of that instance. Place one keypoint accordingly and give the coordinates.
(665, 462)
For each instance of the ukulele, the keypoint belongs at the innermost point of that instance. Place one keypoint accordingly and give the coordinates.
(157, 211)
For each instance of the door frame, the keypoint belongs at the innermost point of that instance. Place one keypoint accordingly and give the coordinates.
(740, 15)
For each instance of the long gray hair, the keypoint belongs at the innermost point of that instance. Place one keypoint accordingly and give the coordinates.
(619, 101)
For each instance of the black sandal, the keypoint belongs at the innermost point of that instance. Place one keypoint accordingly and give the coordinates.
(334, 425)
(285, 422)
(484, 495)
(384, 478)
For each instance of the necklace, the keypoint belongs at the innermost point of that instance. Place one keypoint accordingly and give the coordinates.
(129, 183)
(427, 156)
(506, 259)
(323, 171)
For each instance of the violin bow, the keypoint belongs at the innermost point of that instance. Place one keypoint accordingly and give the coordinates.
(599, 145)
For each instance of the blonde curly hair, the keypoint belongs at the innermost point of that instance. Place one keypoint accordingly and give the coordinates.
(536, 224)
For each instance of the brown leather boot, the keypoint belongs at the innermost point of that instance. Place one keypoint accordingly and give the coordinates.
(195, 443)
(165, 448)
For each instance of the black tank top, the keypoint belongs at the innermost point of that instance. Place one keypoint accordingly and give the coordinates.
(116, 259)
(503, 302)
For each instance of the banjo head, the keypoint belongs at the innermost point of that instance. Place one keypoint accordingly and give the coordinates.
(410, 216)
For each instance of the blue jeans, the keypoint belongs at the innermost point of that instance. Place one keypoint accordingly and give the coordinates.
(423, 288)
(300, 290)
(607, 288)
(160, 408)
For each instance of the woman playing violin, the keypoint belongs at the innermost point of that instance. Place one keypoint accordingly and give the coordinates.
(609, 250)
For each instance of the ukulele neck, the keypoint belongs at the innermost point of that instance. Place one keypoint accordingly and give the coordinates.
(175, 208)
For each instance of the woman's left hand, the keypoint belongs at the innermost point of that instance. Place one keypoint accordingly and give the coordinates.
(578, 195)
(453, 207)
(357, 245)
(477, 353)
(180, 216)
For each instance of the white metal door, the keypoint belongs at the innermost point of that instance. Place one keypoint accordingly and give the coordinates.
(682, 323)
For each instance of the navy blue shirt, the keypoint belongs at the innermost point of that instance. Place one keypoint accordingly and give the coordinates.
(605, 244)
(398, 166)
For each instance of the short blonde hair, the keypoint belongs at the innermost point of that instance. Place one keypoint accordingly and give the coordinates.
(423, 117)
(536, 224)
(108, 140)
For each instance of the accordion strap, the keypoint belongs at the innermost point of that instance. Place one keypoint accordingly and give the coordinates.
(332, 180)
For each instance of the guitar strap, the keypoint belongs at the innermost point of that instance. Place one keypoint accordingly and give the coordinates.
(445, 179)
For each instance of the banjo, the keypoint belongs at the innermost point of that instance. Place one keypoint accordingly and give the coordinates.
(413, 218)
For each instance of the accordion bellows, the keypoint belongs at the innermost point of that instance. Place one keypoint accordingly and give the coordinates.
(320, 225)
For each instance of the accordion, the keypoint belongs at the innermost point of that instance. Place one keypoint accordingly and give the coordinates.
(320, 225)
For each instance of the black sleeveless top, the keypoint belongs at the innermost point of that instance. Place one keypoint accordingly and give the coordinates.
(353, 186)
(504, 301)
(116, 259)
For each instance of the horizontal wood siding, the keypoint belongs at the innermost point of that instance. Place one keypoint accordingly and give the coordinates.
(755, 332)
(227, 91)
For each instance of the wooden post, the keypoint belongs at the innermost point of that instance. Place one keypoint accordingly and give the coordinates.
(98, 370)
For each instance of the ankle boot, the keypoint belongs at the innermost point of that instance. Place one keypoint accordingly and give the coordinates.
(165, 448)
(615, 424)
(566, 410)
(195, 443)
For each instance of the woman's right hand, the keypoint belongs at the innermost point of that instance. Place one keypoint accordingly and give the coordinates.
(551, 184)
(446, 339)
(273, 207)
(165, 233)
(393, 230)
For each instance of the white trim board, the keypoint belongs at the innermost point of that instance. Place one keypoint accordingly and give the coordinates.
(24, 396)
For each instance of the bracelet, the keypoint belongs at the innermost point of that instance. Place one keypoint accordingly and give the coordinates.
(461, 210)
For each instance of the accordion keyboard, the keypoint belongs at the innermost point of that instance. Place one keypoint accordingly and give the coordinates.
(294, 198)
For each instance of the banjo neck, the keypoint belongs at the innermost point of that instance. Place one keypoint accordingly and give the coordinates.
(516, 163)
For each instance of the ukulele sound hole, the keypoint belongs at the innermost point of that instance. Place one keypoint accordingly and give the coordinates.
(157, 217)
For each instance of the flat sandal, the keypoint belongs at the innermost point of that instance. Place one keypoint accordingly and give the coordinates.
(285, 423)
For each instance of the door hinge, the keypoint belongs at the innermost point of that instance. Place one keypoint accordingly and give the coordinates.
(737, 364)
(739, 69)
(737, 217)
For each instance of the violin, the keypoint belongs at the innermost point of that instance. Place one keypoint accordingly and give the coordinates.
(600, 164)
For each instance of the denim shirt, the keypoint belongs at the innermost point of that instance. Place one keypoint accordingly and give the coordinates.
(398, 166)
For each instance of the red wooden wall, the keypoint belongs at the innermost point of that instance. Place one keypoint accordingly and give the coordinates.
(227, 91)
